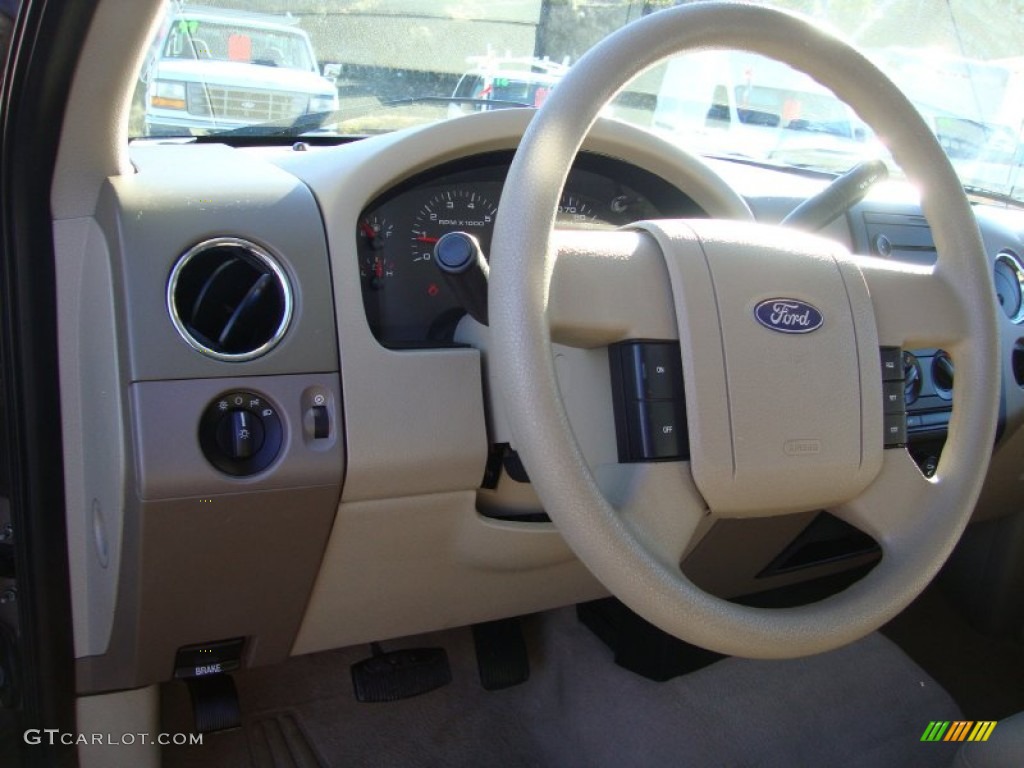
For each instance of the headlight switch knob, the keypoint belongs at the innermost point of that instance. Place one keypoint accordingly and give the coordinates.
(240, 433)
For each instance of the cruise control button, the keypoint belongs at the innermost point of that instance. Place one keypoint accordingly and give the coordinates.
(895, 430)
(893, 397)
(892, 364)
(662, 430)
(652, 370)
(662, 371)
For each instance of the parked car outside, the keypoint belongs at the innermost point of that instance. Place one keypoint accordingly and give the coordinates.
(214, 69)
(510, 81)
(760, 109)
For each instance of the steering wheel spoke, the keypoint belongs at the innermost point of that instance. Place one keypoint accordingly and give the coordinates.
(915, 306)
(659, 502)
(890, 509)
(608, 287)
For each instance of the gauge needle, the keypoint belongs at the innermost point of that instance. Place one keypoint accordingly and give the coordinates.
(425, 239)
(368, 230)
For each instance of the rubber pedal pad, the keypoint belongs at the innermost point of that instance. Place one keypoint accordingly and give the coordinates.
(501, 655)
(214, 703)
(401, 674)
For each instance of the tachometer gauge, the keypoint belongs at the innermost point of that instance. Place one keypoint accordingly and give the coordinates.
(456, 210)
(572, 210)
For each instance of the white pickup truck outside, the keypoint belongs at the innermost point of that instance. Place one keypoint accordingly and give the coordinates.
(214, 70)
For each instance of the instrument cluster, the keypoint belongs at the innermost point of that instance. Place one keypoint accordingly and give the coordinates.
(407, 302)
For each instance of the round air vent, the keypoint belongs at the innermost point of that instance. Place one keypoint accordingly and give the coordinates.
(1009, 279)
(943, 374)
(911, 378)
(1017, 360)
(229, 299)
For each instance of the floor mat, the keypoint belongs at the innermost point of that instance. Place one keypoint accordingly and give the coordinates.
(866, 704)
(278, 740)
(984, 674)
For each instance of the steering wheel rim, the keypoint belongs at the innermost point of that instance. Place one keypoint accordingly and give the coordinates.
(917, 521)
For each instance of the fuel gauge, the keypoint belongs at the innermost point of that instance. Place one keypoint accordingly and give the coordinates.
(374, 232)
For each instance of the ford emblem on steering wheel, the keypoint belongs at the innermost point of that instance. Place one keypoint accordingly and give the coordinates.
(788, 316)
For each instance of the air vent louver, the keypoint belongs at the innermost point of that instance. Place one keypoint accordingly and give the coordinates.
(911, 378)
(229, 299)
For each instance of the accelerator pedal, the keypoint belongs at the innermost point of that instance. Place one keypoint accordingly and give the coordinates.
(396, 675)
(501, 655)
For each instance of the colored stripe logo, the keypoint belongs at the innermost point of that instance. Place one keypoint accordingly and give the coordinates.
(959, 730)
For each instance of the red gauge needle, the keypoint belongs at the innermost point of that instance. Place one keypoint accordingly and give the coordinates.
(425, 239)
(369, 231)
(378, 270)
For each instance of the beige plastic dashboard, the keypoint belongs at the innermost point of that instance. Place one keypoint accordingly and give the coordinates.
(387, 540)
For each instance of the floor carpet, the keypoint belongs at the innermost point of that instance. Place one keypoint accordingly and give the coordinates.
(984, 674)
(866, 704)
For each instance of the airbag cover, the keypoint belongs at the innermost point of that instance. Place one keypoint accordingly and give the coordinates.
(781, 366)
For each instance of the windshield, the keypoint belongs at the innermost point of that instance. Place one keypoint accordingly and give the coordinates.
(384, 65)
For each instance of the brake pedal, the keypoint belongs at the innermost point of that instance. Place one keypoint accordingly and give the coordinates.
(395, 675)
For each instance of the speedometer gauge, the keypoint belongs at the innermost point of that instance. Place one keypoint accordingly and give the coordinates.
(573, 210)
(455, 210)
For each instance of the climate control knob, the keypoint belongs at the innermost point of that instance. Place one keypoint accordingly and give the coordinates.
(240, 433)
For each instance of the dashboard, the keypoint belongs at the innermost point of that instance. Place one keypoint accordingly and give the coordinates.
(407, 302)
(378, 469)
(281, 436)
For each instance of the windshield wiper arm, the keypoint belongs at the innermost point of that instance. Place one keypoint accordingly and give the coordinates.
(311, 121)
(456, 100)
(996, 197)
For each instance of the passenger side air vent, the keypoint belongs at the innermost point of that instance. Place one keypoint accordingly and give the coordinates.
(1009, 279)
(229, 299)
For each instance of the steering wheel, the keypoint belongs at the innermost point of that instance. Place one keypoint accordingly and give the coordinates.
(778, 422)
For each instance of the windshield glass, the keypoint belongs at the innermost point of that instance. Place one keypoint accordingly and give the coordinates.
(359, 67)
